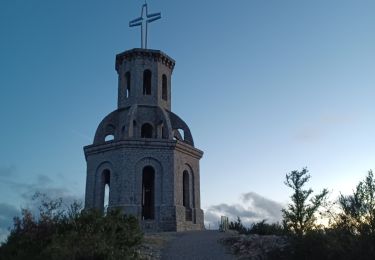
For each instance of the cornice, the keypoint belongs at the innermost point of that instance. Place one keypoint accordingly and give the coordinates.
(144, 144)
(156, 55)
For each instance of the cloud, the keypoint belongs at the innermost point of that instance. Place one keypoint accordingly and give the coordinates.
(309, 134)
(338, 119)
(7, 213)
(43, 184)
(319, 128)
(251, 208)
(265, 207)
(6, 172)
(83, 136)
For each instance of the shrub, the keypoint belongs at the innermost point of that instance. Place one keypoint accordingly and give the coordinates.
(259, 228)
(358, 209)
(238, 226)
(263, 228)
(300, 217)
(351, 233)
(58, 233)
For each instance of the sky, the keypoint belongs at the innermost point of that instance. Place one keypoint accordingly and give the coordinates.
(266, 86)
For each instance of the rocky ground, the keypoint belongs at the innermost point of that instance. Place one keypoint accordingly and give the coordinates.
(197, 245)
(210, 245)
(154, 243)
(255, 247)
(184, 245)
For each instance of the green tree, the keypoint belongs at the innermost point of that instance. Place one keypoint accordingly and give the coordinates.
(263, 228)
(57, 232)
(299, 217)
(358, 209)
(238, 226)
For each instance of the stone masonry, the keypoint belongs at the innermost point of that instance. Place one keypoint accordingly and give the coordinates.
(144, 152)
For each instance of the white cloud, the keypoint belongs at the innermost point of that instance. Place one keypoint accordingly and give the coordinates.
(251, 208)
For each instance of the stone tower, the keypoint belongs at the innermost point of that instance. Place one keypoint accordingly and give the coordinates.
(144, 152)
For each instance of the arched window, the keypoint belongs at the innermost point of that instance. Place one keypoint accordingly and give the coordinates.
(109, 138)
(109, 133)
(147, 82)
(178, 134)
(127, 80)
(164, 88)
(148, 192)
(106, 178)
(147, 131)
(164, 132)
(182, 133)
(186, 196)
(186, 190)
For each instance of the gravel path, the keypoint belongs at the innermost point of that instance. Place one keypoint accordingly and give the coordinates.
(196, 245)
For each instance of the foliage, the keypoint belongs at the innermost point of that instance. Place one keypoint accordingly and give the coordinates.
(300, 217)
(263, 228)
(259, 228)
(70, 233)
(350, 234)
(238, 226)
(358, 209)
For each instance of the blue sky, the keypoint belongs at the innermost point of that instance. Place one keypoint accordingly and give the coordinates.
(266, 87)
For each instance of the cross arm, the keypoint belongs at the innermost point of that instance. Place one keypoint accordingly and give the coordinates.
(153, 17)
(136, 22)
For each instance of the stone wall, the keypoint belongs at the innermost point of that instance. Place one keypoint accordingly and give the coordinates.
(125, 160)
(145, 133)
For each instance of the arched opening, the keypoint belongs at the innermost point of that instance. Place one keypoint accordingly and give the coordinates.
(178, 134)
(147, 131)
(164, 88)
(147, 82)
(148, 192)
(182, 133)
(135, 129)
(106, 178)
(108, 133)
(164, 132)
(193, 197)
(109, 138)
(106, 198)
(186, 195)
(127, 80)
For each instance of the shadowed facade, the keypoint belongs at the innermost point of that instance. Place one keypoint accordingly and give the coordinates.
(143, 152)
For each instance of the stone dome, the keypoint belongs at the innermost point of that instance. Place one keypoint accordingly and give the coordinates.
(142, 121)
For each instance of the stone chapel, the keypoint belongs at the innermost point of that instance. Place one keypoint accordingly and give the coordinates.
(143, 152)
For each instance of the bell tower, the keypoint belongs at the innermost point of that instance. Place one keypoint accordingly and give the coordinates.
(143, 153)
(144, 78)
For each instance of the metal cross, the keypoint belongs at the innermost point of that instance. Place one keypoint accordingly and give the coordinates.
(143, 21)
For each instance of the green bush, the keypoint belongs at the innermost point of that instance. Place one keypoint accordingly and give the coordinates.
(358, 209)
(238, 226)
(300, 216)
(259, 228)
(263, 228)
(350, 235)
(59, 233)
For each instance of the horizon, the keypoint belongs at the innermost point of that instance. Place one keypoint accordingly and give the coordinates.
(266, 87)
